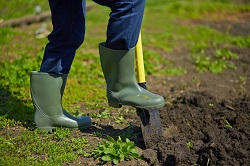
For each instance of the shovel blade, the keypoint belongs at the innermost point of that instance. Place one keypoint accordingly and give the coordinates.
(150, 125)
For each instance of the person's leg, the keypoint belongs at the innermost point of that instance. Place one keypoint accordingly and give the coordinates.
(124, 23)
(47, 86)
(68, 19)
(117, 56)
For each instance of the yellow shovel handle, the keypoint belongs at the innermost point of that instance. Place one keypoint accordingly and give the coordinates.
(139, 61)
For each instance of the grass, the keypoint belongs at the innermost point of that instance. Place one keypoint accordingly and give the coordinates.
(217, 64)
(9, 9)
(21, 52)
(20, 149)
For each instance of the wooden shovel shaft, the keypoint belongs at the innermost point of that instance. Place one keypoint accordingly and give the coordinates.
(139, 61)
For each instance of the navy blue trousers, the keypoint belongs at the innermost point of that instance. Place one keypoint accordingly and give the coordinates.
(68, 19)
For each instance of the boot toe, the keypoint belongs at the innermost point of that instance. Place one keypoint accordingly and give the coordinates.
(145, 100)
(84, 122)
(154, 101)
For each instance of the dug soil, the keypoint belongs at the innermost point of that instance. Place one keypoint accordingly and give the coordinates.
(200, 130)
(207, 117)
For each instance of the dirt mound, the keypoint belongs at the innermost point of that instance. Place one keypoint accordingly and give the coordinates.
(200, 130)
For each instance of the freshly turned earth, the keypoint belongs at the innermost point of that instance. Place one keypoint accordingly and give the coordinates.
(207, 117)
(199, 118)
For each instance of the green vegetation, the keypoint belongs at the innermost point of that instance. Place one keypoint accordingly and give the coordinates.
(220, 62)
(190, 144)
(227, 124)
(61, 134)
(103, 115)
(6, 35)
(98, 134)
(116, 150)
(9, 10)
(24, 147)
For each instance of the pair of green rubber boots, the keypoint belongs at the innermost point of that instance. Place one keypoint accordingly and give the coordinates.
(122, 89)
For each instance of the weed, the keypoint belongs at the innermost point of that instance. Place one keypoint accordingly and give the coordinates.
(78, 144)
(225, 54)
(241, 41)
(103, 115)
(98, 134)
(119, 119)
(242, 79)
(218, 64)
(211, 104)
(116, 150)
(201, 62)
(227, 124)
(61, 134)
(190, 144)
(6, 35)
(5, 122)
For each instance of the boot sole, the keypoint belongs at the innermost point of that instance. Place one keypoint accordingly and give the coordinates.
(119, 105)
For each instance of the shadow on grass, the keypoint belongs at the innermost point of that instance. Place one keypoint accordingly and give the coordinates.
(15, 111)
(132, 132)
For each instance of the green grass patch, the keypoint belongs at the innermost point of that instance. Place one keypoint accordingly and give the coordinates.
(19, 8)
(102, 115)
(217, 64)
(6, 34)
(38, 148)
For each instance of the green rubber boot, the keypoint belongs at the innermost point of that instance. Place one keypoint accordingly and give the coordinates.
(122, 87)
(46, 92)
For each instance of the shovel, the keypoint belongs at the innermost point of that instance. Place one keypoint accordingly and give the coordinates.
(150, 118)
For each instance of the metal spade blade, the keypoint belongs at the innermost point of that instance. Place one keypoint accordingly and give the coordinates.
(150, 125)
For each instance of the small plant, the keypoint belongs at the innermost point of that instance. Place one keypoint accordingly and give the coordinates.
(201, 63)
(211, 104)
(190, 144)
(119, 119)
(103, 115)
(98, 134)
(216, 64)
(225, 54)
(242, 79)
(78, 144)
(116, 150)
(227, 124)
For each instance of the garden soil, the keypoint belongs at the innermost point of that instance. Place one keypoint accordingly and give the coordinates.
(200, 130)
(206, 120)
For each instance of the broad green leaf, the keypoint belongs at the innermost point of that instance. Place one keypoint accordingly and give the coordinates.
(106, 158)
(115, 161)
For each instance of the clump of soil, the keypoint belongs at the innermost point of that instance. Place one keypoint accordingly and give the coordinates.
(198, 129)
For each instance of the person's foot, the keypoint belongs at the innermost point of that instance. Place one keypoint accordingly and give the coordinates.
(47, 91)
(122, 87)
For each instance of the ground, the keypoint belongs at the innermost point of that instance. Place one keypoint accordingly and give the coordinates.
(197, 55)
